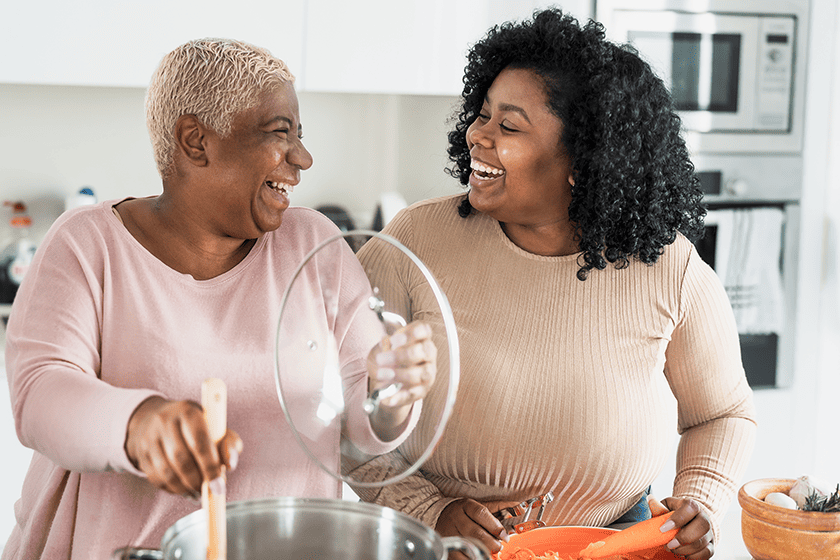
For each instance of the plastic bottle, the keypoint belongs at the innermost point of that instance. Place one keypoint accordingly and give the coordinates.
(83, 197)
(17, 256)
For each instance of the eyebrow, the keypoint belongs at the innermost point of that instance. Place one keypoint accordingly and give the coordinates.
(279, 118)
(287, 120)
(511, 108)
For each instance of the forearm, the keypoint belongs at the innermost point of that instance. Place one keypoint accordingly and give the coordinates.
(711, 459)
(414, 495)
(73, 418)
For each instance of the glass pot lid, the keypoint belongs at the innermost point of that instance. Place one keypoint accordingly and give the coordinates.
(321, 381)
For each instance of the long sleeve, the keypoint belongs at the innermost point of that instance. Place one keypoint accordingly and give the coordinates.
(62, 407)
(715, 406)
(414, 495)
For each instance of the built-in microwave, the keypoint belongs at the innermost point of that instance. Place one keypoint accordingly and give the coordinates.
(734, 67)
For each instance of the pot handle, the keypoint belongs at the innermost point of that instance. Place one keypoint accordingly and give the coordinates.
(130, 553)
(472, 548)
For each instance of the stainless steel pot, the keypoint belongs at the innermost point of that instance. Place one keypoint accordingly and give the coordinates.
(312, 529)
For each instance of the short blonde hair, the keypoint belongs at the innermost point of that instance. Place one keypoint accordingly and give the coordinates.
(213, 79)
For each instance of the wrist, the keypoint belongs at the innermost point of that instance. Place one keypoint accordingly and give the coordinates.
(135, 425)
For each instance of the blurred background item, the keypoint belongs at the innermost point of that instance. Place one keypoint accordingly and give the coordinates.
(17, 255)
(84, 197)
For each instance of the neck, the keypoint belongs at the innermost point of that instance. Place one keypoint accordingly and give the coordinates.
(551, 240)
(181, 240)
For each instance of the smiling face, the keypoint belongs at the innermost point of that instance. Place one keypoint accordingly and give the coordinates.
(256, 166)
(520, 173)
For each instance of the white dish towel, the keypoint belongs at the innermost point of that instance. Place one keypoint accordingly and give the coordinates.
(752, 275)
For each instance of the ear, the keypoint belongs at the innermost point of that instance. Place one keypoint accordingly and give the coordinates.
(189, 140)
(572, 179)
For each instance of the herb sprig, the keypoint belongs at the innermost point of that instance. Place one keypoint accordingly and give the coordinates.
(828, 504)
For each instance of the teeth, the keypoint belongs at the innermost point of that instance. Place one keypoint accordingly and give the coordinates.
(284, 187)
(486, 169)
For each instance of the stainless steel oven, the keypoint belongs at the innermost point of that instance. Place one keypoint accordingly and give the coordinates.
(733, 66)
(751, 240)
(736, 72)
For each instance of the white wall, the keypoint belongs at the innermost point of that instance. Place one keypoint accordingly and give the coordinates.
(57, 139)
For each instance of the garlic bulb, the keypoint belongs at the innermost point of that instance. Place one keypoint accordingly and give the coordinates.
(780, 499)
(804, 486)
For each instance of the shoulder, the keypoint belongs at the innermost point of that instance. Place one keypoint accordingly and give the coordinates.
(678, 262)
(682, 263)
(432, 217)
(679, 254)
(299, 221)
(85, 224)
(444, 208)
(302, 230)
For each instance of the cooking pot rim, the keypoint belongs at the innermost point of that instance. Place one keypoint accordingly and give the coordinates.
(303, 504)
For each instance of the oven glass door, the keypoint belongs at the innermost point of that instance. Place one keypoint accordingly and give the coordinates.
(703, 68)
(707, 60)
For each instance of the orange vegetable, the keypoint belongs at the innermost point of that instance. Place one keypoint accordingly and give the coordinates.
(640, 536)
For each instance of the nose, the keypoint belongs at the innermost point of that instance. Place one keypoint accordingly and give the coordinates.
(300, 157)
(479, 134)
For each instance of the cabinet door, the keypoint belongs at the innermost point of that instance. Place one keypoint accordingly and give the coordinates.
(385, 46)
(405, 46)
(110, 43)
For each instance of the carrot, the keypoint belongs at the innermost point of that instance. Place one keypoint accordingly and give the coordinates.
(640, 536)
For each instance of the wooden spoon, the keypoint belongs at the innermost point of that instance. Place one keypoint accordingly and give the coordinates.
(214, 402)
(641, 536)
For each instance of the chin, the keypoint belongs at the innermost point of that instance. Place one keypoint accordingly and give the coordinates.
(479, 203)
(269, 222)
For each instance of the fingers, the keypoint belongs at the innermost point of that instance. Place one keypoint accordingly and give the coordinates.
(229, 449)
(657, 508)
(695, 539)
(170, 443)
(167, 469)
(486, 520)
(411, 361)
(470, 519)
(199, 446)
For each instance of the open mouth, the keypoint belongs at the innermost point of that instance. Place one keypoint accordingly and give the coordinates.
(282, 188)
(484, 171)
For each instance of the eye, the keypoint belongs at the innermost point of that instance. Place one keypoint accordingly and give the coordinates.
(507, 128)
(483, 117)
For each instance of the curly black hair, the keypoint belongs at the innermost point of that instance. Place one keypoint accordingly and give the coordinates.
(635, 185)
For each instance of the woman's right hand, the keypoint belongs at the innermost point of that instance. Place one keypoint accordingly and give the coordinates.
(468, 518)
(169, 441)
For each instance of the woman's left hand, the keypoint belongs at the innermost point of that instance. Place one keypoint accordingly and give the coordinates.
(408, 358)
(695, 539)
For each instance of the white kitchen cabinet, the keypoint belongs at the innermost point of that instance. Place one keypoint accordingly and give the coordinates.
(361, 46)
(410, 46)
(107, 43)
(383, 46)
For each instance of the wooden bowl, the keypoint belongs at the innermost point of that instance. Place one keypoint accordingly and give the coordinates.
(776, 533)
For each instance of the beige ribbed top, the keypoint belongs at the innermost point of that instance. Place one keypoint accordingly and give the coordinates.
(566, 386)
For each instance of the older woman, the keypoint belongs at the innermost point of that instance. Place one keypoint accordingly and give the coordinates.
(130, 304)
(582, 306)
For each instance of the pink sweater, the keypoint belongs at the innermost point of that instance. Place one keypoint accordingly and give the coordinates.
(100, 324)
